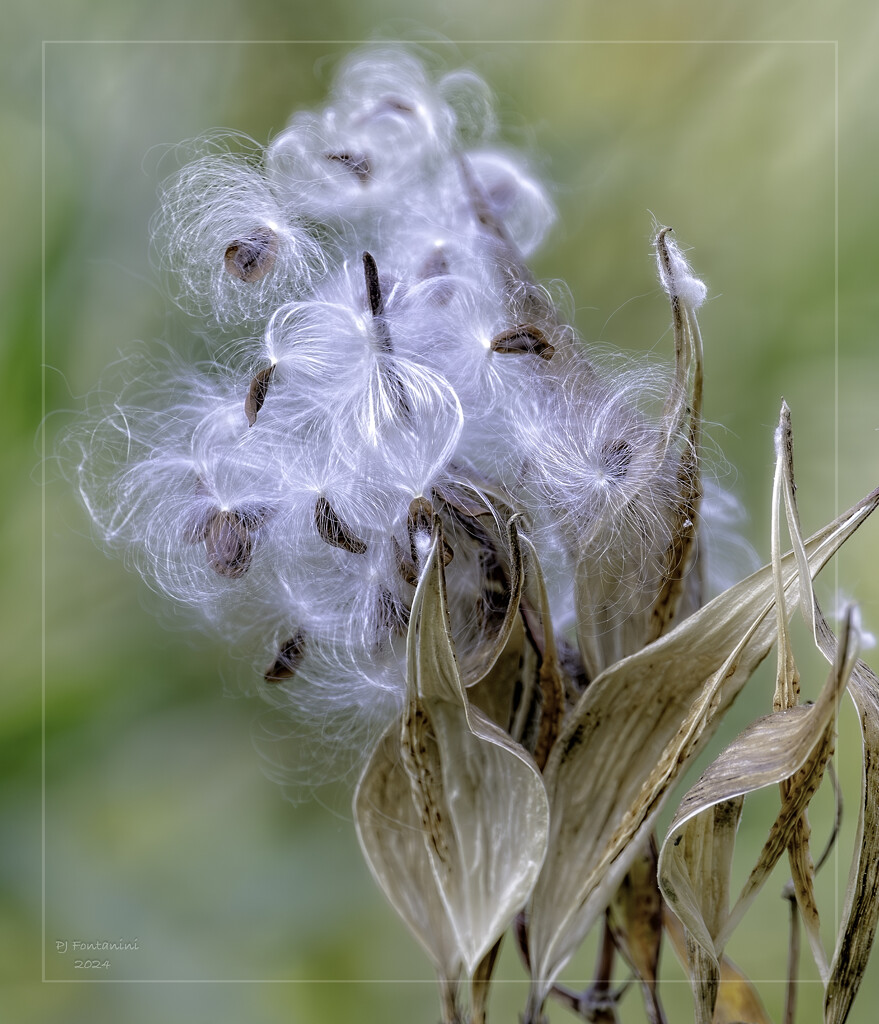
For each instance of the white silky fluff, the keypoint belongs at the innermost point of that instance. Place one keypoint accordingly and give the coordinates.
(273, 493)
(212, 202)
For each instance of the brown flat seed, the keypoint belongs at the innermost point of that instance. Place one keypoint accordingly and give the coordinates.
(256, 395)
(395, 103)
(436, 264)
(288, 659)
(406, 570)
(333, 530)
(229, 545)
(252, 256)
(526, 339)
(373, 286)
(357, 164)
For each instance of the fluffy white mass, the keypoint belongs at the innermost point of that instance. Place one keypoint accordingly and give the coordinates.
(400, 363)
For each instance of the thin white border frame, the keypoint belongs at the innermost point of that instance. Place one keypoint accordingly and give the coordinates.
(43, 452)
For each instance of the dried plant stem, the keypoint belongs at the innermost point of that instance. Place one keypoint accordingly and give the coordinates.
(482, 982)
(793, 956)
(837, 817)
(598, 1003)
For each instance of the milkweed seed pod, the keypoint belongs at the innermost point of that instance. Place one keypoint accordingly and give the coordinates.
(471, 556)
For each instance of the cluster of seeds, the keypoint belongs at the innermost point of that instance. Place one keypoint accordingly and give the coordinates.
(400, 363)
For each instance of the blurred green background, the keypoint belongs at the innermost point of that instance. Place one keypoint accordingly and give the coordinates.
(160, 825)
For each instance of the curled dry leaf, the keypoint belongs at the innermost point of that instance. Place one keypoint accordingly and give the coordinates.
(769, 751)
(451, 814)
(861, 909)
(860, 914)
(627, 740)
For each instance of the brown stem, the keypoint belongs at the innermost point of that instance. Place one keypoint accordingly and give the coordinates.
(598, 1004)
(793, 955)
(482, 982)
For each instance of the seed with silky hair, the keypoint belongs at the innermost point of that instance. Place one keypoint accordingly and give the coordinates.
(288, 659)
(252, 256)
(334, 531)
(256, 394)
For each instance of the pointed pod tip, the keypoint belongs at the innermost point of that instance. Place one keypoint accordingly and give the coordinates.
(676, 274)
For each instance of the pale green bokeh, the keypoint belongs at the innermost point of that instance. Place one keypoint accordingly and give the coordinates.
(160, 825)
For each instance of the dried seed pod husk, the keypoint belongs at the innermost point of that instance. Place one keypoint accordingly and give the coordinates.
(451, 813)
(737, 999)
(860, 914)
(646, 717)
(419, 525)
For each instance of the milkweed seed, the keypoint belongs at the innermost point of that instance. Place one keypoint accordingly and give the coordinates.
(333, 530)
(252, 256)
(256, 394)
(358, 165)
(394, 103)
(523, 340)
(436, 264)
(229, 545)
(288, 659)
(373, 286)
